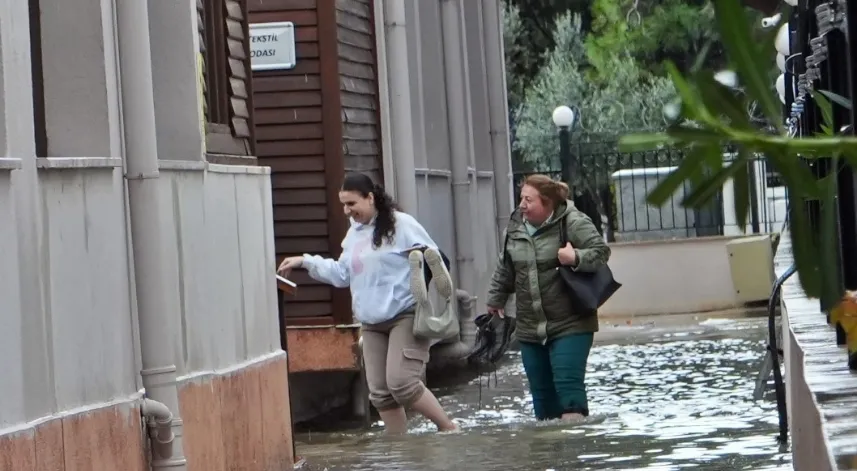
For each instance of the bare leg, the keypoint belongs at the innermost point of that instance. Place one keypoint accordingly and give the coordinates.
(395, 420)
(428, 406)
(407, 356)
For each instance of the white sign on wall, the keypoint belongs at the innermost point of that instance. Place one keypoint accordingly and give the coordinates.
(272, 46)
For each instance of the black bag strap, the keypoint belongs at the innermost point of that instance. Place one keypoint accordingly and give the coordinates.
(505, 244)
(563, 231)
(506, 239)
(563, 235)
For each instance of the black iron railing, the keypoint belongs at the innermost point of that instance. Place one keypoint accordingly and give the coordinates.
(821, 58)
(618, 183)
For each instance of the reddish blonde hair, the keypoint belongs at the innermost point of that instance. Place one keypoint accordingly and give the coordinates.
(551, 191)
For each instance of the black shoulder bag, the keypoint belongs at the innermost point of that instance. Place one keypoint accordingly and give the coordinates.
(587, 290)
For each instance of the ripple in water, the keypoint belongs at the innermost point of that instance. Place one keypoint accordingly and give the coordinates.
(666, 405)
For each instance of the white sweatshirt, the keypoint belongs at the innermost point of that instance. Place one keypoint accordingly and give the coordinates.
(378, 278)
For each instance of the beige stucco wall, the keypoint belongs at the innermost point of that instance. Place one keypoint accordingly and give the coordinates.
(218, 233)
(671, 276)
(218, 230)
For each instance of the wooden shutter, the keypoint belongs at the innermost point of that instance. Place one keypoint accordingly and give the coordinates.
(224, 40)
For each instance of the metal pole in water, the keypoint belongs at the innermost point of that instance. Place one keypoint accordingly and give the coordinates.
(779, 386)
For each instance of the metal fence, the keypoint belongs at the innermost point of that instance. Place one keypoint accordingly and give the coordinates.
(824, 58)
(612, 187)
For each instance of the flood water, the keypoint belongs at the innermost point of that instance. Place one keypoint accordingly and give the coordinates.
(678, 400)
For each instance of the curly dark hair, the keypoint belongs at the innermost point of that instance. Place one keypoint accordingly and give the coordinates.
(385, 221)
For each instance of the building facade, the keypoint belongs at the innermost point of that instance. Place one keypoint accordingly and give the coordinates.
(412, 93)
(137, 298)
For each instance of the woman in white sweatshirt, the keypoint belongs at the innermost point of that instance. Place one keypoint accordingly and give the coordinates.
(375, 265)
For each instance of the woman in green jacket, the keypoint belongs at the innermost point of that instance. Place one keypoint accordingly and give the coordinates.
(555, 341)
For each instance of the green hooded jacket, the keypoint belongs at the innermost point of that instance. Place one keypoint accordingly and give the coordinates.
(529, 271)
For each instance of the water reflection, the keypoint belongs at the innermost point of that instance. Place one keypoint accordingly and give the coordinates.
(667, 405)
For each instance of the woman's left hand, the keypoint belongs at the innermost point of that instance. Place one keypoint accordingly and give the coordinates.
(566, 255)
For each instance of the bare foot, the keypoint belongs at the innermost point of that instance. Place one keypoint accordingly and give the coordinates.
(428, 406)
(572, 417)
(451, 428)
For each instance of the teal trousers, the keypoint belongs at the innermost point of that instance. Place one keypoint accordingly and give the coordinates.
(556, 373)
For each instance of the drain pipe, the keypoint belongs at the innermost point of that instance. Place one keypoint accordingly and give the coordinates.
(155, 315)
(401, 125)
(389, 163)
(160, 426)
(498, 110)
(458, 120)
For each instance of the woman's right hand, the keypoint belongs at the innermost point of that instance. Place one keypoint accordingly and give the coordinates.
(496, 311)
(289, 264)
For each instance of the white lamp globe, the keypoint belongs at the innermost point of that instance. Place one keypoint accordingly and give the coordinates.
(792, 2)
(727, 78)
(563, 116)
(781, 62)
(781, 87)
(782, 40)
(672, 110)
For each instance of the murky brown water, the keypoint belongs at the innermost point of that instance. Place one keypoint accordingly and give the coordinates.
(682, 401)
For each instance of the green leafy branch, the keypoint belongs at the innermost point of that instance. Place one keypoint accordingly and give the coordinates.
(712, 115)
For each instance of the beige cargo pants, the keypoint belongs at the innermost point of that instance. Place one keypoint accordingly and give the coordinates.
(394, 360)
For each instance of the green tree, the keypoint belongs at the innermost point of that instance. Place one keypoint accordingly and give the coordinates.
(519, 59)
(653, 32)
(534, 35)
(631, 100)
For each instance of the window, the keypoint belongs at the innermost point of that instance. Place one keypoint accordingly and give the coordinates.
(226, 78)
(39, 125)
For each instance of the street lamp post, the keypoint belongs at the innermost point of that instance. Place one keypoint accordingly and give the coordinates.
(563, 119)
(585, 200)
